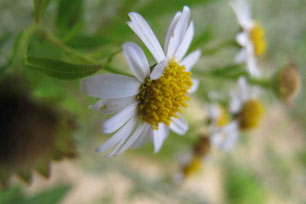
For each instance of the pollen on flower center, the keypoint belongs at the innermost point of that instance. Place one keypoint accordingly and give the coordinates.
(223, 117)
(159, 100)
(250, 114)
(257, 37)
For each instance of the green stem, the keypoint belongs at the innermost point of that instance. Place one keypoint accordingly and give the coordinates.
(22, 48)
(111, 56)
(38, 10)
(68, 50)
(263, 82)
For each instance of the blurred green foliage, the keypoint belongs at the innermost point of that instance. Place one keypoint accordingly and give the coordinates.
(243, 187)
(15, 195)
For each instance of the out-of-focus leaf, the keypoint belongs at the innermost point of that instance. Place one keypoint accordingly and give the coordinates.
(242, 187)
(16, 43)
(60, 69)
(50, 196)
(201, 39)
(84, 42)
(10, 195)
(4, 37)
(160, 7)
(69, 13)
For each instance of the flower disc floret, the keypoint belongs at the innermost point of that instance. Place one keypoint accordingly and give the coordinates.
(160, 100)
(223, 118)
(250, 114)
(257, 37)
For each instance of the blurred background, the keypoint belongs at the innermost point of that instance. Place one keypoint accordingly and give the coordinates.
(268, 164)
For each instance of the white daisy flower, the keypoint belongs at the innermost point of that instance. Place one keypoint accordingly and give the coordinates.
(223, 133)
(245, 105)
(225, 138)
(217, 115)
(247, 111)
(149, 104)
(251, 39)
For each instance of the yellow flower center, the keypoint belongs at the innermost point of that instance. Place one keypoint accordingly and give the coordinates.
(223, 117)
(161, 99)
(193, 167)
(250, 114)
(257, 37)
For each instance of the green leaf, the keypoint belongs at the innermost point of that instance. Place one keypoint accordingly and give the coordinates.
(51, 196)
(81, 41)
(60, 69)
(69, 13)
(21, 44)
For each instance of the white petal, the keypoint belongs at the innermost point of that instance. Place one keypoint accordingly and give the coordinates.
(110, 86)
(185, 43)
(235, 102)
(231, 132)
(124, 132)
(242, 38)
(241, 56)
(137, 60)
(252, 66)
(244, 89)
(147, 133)
(179, 126)
(133, 138)
(179, 32)
(173, 44)
(131, 127)
(110, 106)
(216, 139)
(242, 12)
(139, 25)
(195, 86)
(213, 112)
(191, 59)
(159, 136)
(97, 106)
(171, 30)
(158, 69)
(118, 120)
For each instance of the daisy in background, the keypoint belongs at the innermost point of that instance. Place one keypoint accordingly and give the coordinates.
(225, 138)
(245, 106)
(246, 111)
(223, 132)
(252, 37)
(149, 104)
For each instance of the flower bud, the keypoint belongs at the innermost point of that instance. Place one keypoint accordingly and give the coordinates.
(288, 83)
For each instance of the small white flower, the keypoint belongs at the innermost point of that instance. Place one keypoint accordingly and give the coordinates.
(223, 134)
(225, 137)
(245, 106)
(148, 105)
(251, 38)
(215, 114)
(242, 95)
